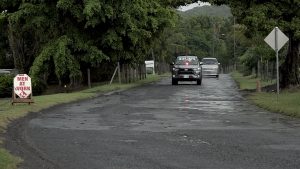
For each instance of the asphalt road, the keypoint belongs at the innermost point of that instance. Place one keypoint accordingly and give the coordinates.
(159, 126)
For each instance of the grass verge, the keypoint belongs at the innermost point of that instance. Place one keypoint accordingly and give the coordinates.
(288, 102)
(249, 82)
(9, 113)
(7, 161)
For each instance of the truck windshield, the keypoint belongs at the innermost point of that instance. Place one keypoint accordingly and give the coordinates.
(187, 60)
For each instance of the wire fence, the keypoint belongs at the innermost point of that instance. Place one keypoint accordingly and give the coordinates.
(132, 73)
(264, 70)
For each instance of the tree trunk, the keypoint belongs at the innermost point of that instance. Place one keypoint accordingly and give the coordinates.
(23, 49)
(289, 71)
(16, 46)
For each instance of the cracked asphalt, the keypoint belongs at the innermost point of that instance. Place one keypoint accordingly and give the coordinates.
(159, 126)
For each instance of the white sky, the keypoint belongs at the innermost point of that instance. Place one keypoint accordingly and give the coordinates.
(191, 6)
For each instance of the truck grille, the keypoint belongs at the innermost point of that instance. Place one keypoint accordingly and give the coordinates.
(185, 71)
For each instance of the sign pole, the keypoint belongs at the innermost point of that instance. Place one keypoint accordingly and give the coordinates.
(276, 40)
(277, 59)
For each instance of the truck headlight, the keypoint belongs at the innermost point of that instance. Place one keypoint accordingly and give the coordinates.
(197, 70)
(175, 69)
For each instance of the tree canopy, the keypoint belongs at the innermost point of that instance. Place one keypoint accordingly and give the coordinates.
(66, 35)
(260, 17)
(201, 35)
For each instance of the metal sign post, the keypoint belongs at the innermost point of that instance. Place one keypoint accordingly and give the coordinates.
(276, 40)
(277, 59)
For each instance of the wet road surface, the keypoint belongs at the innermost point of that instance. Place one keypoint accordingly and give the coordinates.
(159, 126)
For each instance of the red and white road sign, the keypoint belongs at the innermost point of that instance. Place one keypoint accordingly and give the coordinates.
(22, 85)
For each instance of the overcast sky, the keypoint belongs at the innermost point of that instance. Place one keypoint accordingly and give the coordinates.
(191, 6)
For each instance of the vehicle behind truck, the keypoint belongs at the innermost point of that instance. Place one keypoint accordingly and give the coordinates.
(210, 67)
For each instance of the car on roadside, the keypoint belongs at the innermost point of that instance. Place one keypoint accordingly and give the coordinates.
(186, 68)
(210, 67)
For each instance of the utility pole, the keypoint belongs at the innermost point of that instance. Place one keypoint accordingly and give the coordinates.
(234, 43)
(213, 42)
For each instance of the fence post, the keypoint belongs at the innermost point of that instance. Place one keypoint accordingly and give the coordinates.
(258, 86)
(89, 78)
(144, 72)
(136, 74)
(139, 71)
(119, 73)
(122, 73)
(130, 74)
(258, 69)
(126, 73)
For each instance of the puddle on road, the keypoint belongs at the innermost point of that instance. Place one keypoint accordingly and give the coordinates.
(288, 147)
(67, 124)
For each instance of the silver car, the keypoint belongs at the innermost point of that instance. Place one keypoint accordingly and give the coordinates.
(210, 67)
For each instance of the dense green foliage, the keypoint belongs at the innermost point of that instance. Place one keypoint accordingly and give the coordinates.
(260, 17)
(6, 60)
(6, 85)
(201, 35)
(64, 37)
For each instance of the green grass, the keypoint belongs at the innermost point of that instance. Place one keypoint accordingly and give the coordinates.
(288, 101)
(8, 113)
(7, 161)
(249, 82)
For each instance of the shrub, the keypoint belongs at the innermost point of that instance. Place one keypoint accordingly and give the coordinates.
(6, 85)
(38, 86)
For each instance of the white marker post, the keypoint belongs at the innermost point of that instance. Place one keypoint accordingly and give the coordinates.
(276, 40)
